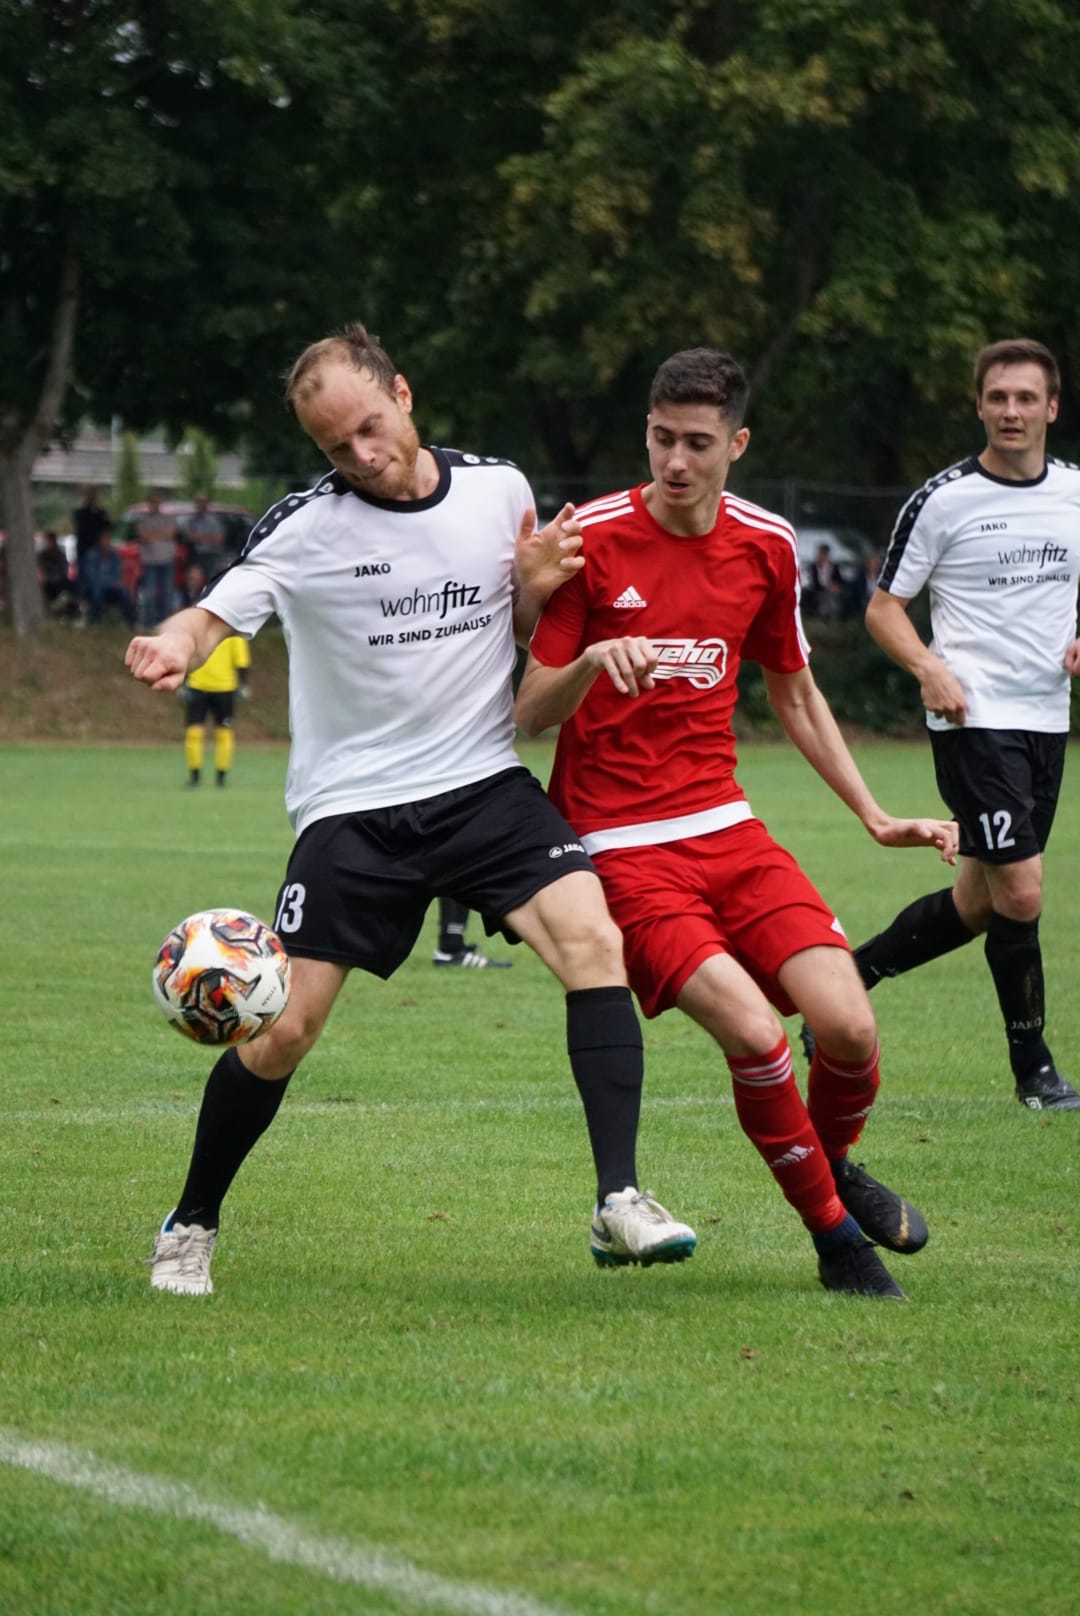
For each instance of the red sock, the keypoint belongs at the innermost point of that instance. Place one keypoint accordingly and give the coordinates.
(774, 1119)
(841, 1095)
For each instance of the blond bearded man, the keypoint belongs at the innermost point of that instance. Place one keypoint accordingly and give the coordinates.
(402, 579)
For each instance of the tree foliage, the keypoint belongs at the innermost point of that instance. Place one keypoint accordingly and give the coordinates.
(532, 206)
(159, 219)
(128, 485)
(852, 202)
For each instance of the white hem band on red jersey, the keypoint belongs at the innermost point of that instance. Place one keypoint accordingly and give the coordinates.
(653, 832)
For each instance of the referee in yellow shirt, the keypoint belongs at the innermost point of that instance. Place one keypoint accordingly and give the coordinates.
(212, 691)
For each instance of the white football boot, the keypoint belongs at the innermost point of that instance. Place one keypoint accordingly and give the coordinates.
(632, 1227)
(181, 1260)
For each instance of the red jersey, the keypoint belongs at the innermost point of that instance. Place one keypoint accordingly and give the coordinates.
(663, 765)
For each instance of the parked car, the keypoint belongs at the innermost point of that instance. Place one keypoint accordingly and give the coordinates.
(236, 521)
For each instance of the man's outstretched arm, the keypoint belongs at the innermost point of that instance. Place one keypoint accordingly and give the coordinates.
(183, 642)
(808, 721)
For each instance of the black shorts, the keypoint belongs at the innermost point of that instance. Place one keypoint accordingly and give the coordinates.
(220, 704)
(1002, 788)
(358, 885)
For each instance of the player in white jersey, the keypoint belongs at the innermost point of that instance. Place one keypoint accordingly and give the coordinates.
(996, 541)
(401, 581)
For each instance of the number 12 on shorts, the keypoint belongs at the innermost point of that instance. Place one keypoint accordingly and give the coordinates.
(996, 828)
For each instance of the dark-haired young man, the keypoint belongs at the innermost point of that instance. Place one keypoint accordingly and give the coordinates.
(996, 540)
(637, 658)
(401, 580)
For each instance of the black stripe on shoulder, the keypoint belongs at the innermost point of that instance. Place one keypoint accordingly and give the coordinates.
(909, 514)
(456, 457)
(1063, 465)
(286, 507)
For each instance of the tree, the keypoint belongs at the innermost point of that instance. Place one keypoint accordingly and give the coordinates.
(532, 206)
(197, 463)
(852, 202)
(127, 486)
(149, 147)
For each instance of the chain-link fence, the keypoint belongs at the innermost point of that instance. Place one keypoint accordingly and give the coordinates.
(862, 517)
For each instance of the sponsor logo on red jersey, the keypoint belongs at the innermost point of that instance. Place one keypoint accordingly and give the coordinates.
(703, 662)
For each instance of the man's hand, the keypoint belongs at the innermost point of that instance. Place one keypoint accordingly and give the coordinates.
(546, 557)
(1072, 659)
(943, 694)
(629, 663)
(943, 834)
(161, 660)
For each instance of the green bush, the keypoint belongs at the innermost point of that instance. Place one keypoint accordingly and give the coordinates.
(864, 687)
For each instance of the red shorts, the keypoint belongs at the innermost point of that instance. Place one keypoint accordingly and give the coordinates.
(731, 892)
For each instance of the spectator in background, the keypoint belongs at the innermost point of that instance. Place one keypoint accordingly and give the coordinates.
(156, 534)
(54, 574)
(193, 585)
(868, 578)
(204, 534)
(104, 571)
(212, 691)
(88, 520)
(826, 586)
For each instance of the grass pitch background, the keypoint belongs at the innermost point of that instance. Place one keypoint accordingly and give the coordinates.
(410, 1358)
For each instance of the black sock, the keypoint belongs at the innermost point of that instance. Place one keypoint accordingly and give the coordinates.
(923, 931)
(604, 1040)
(453, 918)
(237, 1108)
(1014, 956)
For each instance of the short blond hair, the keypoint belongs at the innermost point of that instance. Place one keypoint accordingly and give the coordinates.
(355, 346)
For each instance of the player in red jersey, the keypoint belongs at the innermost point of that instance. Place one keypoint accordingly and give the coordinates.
(637, 658)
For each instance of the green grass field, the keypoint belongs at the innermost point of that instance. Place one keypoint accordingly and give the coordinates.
(412, 1391)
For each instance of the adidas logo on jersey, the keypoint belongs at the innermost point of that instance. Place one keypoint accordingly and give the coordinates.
(629, 597)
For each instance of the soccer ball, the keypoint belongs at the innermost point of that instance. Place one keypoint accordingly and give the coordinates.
(221, 977)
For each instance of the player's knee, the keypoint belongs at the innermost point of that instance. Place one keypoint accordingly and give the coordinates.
(592, 945)
(570, 926)
(281, 1048)
(1015, 890)
(742, 1034)
(848, 1031)
(1024, 904)
(584, 950)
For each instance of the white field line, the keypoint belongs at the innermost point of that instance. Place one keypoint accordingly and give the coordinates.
(270, 1534)
(91, 1116)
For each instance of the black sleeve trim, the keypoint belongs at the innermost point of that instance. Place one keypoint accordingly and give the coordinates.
(909, 515)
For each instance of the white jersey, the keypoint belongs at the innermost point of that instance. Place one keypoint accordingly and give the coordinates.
(1001, 560)
(398, 620)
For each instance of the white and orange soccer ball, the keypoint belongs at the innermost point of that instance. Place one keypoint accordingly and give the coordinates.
(221, 977)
